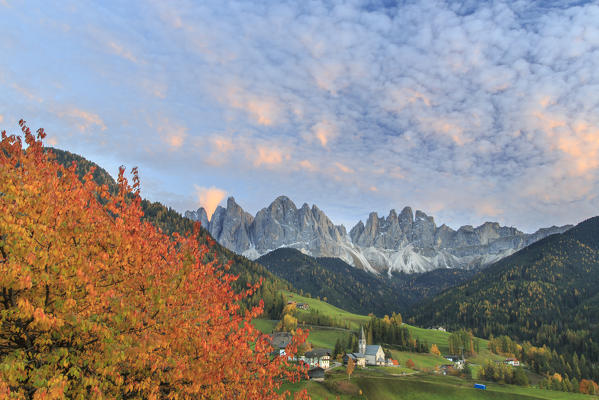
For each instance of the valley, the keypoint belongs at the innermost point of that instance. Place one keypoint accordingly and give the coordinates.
(338, 299)
(295, 200)
(425, 380)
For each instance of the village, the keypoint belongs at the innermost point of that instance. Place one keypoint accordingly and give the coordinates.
(326, 361)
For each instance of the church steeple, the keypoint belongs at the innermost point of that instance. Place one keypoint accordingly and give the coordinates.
(362, 342)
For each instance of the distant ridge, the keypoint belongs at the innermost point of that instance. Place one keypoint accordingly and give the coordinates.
(546, 293)
(355, 290)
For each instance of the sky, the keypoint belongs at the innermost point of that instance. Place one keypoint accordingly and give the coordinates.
(471, 111)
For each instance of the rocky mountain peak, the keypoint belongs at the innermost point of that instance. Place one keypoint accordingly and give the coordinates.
(407, 242)
(199, 215)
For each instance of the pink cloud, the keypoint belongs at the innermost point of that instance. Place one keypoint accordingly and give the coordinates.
(344, 168)
(268, 156)
(83, 120)
(324, 132)
(209, 198)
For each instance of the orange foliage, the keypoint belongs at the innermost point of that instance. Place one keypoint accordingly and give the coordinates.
(351, 365)
(95, 303)
(588, 387)
(410, 364)
(435, 350)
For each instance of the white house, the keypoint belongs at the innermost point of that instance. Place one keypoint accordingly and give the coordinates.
(512, 361)
(458, 361)
(318, 358)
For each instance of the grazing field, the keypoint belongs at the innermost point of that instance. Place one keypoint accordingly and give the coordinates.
(324, 308)
(421, 360)
(448, 388)
(391, 383)
(265, 325)
(432, 336)
(325, 338)
(320, 336)
(422, 386)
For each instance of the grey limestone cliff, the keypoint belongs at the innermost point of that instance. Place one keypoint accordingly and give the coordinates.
(408, 241)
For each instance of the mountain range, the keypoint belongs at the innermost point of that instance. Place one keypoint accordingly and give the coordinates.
(405, 242)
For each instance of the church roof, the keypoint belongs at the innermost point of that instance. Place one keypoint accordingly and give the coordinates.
(355, 356)
(372, 349)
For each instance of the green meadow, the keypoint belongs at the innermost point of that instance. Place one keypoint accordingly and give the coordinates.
(371, 384)
(403, 383)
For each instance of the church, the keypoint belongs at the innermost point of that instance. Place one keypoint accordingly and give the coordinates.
(368, 354)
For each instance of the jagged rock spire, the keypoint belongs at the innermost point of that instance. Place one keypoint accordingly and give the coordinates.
(408, 242)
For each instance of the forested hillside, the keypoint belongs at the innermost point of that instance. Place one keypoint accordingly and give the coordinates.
(547, 293)
(171, 221)
(356, 290)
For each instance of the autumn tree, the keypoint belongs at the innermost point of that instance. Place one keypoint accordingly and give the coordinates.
(95, 303)
(287, 324)
(410, 364)
(396, 318)
(351, 365)
(435, 350)
(588, 386)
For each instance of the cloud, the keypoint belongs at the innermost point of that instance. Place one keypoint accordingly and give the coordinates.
(28, 93)
(222, 144)
(82, 119)
(154, 87)
(268, 156)
(478, 110)
(209, 198)
(323, 132)
(344, 168)
(172, 133)
(262, 109)
(121, 51)
(308, 166)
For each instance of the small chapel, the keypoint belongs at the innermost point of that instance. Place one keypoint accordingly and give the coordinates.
(369, 354)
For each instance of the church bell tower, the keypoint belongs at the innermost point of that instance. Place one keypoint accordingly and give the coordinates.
(362, 342)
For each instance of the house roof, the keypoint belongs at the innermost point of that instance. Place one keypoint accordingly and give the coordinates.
(316, 372)
(280, 340)
(318, 353)
(395, 362)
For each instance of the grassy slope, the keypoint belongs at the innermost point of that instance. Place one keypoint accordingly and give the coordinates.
(323, 337)
(430, 387)
(319, 337)
(432, 336)
(379, 383)
(449, 388)
(328, 309)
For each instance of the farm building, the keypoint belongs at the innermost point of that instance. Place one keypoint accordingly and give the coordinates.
(316, 373)
(512, 361)
(318, 358)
